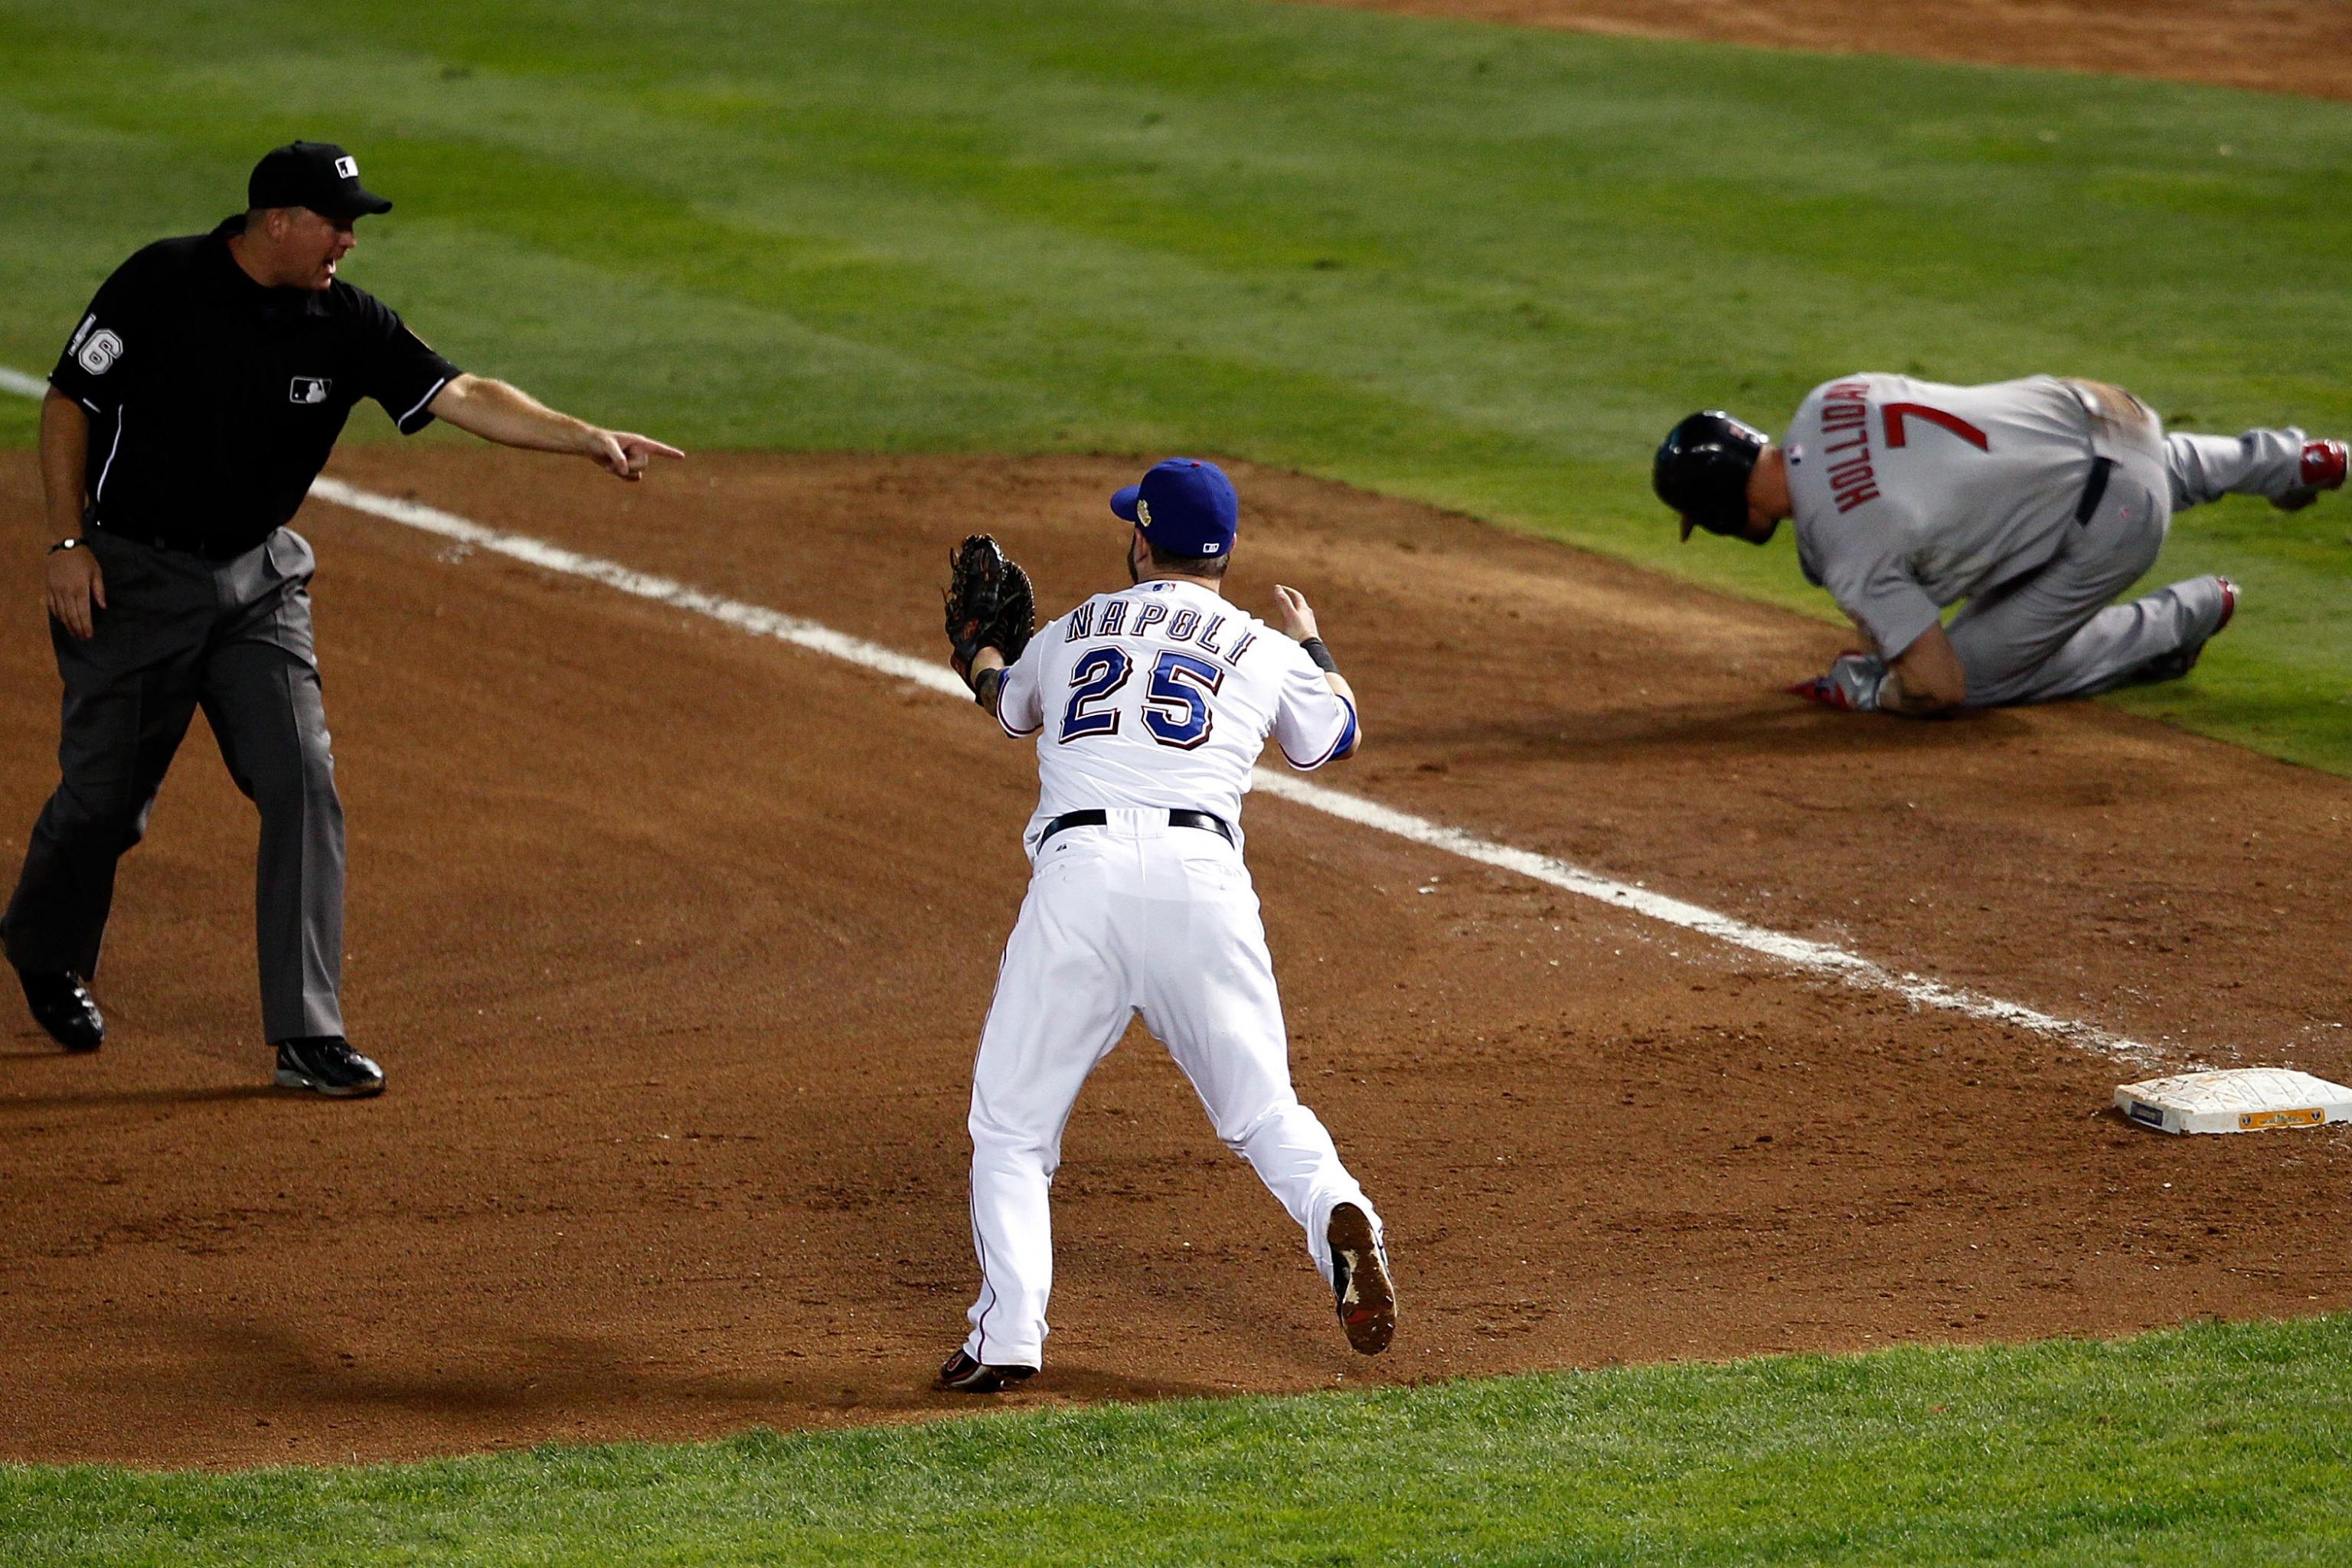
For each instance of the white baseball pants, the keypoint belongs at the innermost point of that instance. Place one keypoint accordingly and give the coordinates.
(1135, 916)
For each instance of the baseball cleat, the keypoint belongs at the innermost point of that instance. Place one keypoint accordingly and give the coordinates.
(961, 1374)
(327, 1065)
(64, 1008)
(2323, 466)
(1359, 1279)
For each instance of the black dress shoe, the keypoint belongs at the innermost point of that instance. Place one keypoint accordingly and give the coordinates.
(326, 1064)
(63, 1006)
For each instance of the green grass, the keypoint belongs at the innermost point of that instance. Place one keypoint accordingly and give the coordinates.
(2202, 1446)
(1480, 267)
(1477, 267)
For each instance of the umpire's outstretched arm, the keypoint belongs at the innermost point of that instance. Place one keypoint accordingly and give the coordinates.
(495, 411)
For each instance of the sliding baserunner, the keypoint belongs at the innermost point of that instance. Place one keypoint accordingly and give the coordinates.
(2035, 501)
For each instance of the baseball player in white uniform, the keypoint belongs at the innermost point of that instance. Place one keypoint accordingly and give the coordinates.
(1149, 707)
(2037, 502)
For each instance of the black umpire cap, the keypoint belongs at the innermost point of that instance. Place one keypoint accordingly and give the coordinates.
(1702, 467)
(315, 174)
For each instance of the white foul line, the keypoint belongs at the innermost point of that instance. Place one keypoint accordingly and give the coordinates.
(1795, 953)
(754, 619)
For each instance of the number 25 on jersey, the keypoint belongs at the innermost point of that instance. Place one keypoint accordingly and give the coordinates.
(1175, 708)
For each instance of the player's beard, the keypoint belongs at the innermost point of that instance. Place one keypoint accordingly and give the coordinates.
(1134, 559)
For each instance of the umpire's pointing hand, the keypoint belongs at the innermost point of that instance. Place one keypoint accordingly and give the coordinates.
(77, 591)
(626, 454)
(497, 412)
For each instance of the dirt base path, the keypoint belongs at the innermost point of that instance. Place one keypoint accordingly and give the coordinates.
(661, 931)
(2274, 46)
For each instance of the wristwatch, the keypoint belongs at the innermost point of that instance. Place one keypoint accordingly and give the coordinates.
(67, 544)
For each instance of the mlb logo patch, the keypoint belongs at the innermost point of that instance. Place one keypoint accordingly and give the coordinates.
(309, 389)
(349, 168)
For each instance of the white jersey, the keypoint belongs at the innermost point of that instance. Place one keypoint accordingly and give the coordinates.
(1911, 495)
(1163, 695)
(1154, 699)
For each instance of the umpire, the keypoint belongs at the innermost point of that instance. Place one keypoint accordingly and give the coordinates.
(198, 398)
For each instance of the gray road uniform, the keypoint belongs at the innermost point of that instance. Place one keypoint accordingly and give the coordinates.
(2036, 501)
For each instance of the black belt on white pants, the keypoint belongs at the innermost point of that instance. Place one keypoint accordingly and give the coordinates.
(1096, 817)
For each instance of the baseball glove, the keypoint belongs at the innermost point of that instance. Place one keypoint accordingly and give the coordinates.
(989, 603)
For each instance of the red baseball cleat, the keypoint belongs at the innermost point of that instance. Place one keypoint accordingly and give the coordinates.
(2324, 465)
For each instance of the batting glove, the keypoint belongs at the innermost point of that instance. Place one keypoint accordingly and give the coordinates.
(1851, 684)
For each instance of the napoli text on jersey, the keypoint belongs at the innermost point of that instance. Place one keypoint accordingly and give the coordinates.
(1162, 695)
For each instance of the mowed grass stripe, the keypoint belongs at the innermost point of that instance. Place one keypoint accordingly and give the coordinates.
(1475, 266)
(2211, 1443)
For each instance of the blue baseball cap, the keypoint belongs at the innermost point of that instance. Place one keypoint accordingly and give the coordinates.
(1184, 506)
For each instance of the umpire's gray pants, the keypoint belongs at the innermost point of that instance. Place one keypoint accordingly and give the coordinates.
(2053, 634)
(179, 633)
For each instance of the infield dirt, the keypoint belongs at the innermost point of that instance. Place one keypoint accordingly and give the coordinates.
(675, 943)
(2272, 46)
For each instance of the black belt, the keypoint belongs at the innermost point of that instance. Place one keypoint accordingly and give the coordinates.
(174, 546)
(2095, 489)
(1097, 817)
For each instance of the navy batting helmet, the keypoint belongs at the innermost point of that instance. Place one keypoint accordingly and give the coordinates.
(1702, 471)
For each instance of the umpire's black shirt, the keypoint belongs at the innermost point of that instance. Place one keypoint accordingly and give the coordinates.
(215, 401)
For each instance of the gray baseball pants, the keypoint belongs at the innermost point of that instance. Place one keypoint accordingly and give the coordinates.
(2053, 634)
(180, 633)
